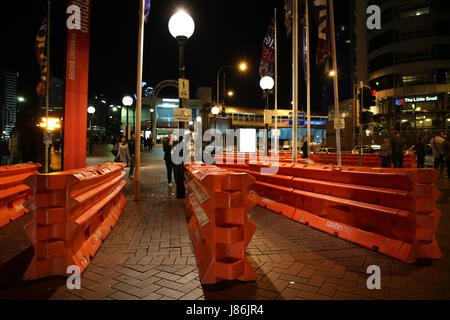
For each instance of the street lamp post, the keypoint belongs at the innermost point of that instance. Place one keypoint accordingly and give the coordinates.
(181, 27)
(127, 101)
(242, 68)
(267, 84)
(91, 111)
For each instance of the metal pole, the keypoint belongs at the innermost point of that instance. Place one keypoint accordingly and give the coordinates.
(336, 83)
(47, 102)
(361, 126)
(295, 83)
(139, 103)
(308, 84)
(181, 43)
(276, 148)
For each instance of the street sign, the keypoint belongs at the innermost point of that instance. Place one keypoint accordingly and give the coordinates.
(301, 118)
(182, 115)
(183, 88)
(339, 124)
(268, 117)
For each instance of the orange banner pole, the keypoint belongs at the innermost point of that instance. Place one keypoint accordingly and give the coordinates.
(77, 76)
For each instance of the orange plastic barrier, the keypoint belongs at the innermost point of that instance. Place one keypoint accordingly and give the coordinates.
(392, 211)
(217, 205)
(13, 192)
(369, 159)
(73, 212)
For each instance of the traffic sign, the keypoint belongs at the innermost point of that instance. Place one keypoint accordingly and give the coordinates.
(182, 115)
(183, 88)
(268, 117)
(339, 124)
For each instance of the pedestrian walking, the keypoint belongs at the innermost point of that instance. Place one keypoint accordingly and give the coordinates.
(132, 151)
(437, 144)
(397, 150)
(385, 152)
(167, 148)
(123, 153)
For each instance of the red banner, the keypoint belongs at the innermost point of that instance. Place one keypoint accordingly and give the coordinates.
(77, 76)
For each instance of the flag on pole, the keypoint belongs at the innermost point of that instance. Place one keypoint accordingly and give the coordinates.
(266, 67)
(321, 14)
(288, 16)
(41, 54)
(147, 9)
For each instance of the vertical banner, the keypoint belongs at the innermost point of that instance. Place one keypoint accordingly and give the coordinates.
(321, 14)
(41, 54)
(77, 74)
(266, 67)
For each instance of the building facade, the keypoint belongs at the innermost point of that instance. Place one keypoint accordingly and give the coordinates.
(8, 102)
(407, 62)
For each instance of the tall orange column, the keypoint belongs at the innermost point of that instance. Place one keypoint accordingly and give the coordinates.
(77, 75)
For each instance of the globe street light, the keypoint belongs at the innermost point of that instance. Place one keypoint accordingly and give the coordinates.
(91, 111)
(267, 83)
(181, 27)
(127, 101)
(215, 111)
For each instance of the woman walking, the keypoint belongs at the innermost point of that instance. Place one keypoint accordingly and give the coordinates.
(123, 153)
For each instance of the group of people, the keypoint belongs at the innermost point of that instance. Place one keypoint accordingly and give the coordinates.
(394, 149)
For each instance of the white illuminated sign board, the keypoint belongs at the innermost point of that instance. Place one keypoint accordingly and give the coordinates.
(247, 140)
(421, 99)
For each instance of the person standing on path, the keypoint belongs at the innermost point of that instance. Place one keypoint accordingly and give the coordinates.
(397, 150)
(123, 153)
(167, 148)
(132, 150)
(420, 152)
(437, 144)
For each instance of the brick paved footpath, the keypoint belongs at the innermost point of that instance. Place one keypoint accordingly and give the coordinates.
(149, 255)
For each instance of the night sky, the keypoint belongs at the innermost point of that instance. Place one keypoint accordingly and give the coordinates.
(226, 33)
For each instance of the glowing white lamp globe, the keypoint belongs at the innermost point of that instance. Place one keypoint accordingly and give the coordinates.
(127, 101)
(199, 119)
(267, 83)
(215, 111)
(91, 110)
(181, 25)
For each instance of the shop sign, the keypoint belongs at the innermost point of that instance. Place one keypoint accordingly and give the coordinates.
(400, 102)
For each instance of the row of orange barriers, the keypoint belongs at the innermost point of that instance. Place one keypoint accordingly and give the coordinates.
(372, 160)
(369, 159)
(13, 191)
(392, 211)
(73, 212)
(216, 205)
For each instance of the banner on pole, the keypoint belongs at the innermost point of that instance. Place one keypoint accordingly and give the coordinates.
(321, 14)
(266, 67)
(41, 54)
(77, 76)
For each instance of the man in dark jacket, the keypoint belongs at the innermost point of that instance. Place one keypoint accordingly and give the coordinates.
(167, 148)
(398, 149)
